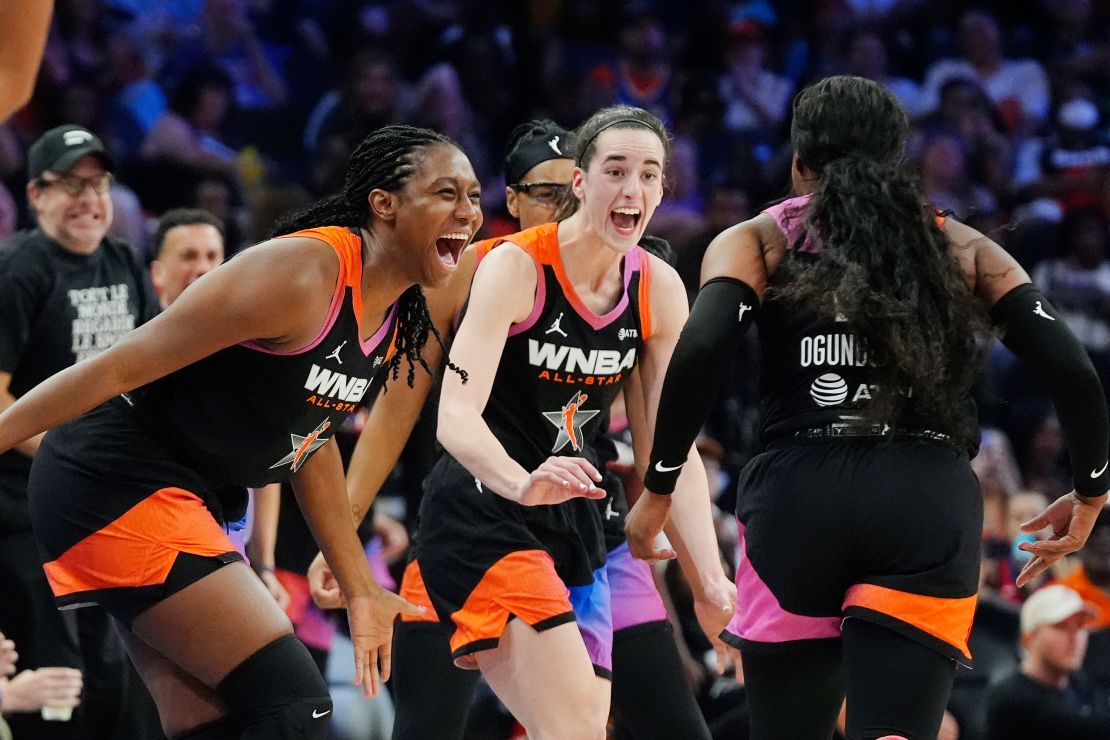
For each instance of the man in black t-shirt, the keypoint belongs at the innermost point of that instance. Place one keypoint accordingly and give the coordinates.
(67, 292)
(1050, 697)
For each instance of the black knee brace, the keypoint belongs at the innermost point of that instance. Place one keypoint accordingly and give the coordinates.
(279, 694)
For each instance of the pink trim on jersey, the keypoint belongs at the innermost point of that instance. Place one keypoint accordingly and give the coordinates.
(632, 262)
(791, 217)
(537, 303)
(378, 337)
(329, 322)
(759, 616)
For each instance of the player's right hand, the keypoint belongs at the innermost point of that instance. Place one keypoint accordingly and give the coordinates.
(559, 479)
(323, 586)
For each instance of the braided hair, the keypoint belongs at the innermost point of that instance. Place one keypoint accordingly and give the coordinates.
(884, 263)
(384, 160)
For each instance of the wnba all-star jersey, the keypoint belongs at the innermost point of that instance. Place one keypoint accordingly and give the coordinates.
(246, 415)
(563, 365)
(813, 371)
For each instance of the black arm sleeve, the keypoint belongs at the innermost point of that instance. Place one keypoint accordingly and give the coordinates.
(722, 313)
(1035, 332)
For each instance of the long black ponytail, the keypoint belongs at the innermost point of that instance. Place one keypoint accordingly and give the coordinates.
(884, 264)
(384, 160)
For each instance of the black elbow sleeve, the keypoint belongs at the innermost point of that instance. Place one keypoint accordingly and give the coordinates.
(1035, 332)
(722, 313)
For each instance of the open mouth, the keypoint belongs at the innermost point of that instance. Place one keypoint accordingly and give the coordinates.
(625, 220)
(450, 246)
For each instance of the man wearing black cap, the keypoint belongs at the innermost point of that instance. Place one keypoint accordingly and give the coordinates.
(67, 291)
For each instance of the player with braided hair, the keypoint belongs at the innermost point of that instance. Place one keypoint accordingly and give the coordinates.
(242, 382)
(432, 697)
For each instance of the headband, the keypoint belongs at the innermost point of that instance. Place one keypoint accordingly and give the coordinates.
(533, 149)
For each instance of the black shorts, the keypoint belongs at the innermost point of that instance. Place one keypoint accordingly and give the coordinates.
(119, 520)
(484, 559)
(883, 530)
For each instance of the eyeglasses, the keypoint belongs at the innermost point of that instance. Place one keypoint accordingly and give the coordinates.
(73, 185)
(546, 194)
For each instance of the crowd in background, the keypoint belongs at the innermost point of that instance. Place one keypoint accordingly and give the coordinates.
(249, 108)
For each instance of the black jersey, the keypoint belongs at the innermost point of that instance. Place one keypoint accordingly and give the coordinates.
(563, 365)
(814, 371)
(248, 416)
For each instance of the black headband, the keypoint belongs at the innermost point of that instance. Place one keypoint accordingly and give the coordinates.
(586, 144)
(531, 150)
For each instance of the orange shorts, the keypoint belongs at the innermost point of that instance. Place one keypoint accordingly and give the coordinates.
(135, 555)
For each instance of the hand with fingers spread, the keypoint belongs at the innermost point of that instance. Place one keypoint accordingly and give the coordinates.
(714, 608)
(1071, 517)
(371, 620)
(323, 586)
(644, 524)
(559, 479)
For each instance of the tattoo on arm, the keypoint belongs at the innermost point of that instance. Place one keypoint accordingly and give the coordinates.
(998, 275)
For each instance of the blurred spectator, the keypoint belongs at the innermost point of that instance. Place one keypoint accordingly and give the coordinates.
(642, 76)
(438, 104)
(756, 99)
(373, 95)
(866, 56)
(227, 37)
(1078, 282)
(1018, 87)
(1050, 697)
(1039, 444)
(187, 244)
(947, 184)
(1071, 164)
(190, 133)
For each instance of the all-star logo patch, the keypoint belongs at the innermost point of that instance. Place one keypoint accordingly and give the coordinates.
(303, 447)
(569, 421)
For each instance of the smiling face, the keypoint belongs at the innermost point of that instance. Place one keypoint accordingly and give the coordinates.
(77, 222)
(436, 214)
(188, 252)
(622, 185)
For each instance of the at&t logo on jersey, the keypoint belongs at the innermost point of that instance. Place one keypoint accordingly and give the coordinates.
(563, 364)
(829, 390)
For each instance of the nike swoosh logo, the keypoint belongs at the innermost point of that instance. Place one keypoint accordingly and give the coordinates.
(317, 714)
(664, 469)
(1097, 473)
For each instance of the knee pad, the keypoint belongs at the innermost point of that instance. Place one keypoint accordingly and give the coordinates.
(224, 729)
(279, 694)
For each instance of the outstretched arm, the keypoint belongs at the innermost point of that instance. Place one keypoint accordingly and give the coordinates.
(688, 513)
(241, 292)
(1034, 331)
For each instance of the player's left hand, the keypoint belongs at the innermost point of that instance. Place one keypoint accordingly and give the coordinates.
(714, 608)
(371, 620)
(1072, 518)
(644, 524)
